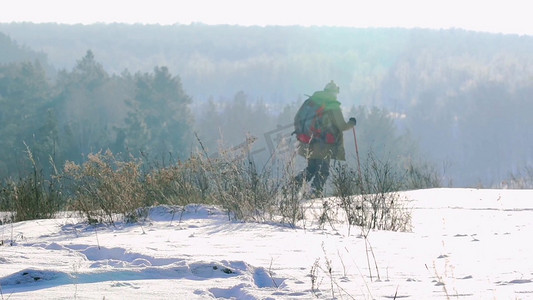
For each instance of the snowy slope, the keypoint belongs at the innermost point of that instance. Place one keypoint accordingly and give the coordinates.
(465, 243)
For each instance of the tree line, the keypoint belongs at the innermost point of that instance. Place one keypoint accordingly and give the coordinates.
(86, 111)
(459, 98)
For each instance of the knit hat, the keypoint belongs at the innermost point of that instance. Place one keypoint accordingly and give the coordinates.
(331, 87)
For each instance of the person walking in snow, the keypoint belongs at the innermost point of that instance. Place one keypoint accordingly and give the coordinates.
(323, 140)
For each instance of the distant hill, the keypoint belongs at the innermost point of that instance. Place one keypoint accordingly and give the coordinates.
(465, 96)
(274, 63)
(11, 51)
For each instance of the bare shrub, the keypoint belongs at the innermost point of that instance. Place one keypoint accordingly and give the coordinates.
(104, 188)
(243, 190)
(249, 192)
(420, 176)
(181, 184)
(33, 196)
(347, 183)
(290, 203)
(380, 200)
(521, 179)
(371, 201)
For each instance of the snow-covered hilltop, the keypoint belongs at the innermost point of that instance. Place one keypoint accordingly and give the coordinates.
(467, 243)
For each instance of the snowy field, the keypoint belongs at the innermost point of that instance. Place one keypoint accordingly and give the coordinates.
(465, 244)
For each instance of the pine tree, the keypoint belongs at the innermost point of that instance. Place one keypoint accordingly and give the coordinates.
(159, 119)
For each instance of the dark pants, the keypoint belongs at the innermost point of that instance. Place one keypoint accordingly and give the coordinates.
(318, 171)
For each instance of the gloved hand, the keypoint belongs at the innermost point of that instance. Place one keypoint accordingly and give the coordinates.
(353, 121)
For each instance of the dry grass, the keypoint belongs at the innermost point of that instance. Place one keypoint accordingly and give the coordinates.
(32, 196)
(370, 200)
(106, 189)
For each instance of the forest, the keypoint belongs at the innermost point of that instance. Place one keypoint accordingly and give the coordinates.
(456, 100)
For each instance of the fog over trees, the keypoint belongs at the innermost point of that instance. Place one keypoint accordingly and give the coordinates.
(458, 100)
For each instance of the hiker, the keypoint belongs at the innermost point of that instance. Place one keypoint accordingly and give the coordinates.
(324, 140)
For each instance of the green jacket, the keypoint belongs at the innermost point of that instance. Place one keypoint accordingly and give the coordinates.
(334, 121)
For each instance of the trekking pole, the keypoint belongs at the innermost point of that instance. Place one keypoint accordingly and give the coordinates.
(357, 155)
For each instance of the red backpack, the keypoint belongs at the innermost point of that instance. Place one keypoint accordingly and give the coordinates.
(308, 124)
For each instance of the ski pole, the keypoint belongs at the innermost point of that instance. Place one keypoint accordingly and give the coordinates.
(357, 154)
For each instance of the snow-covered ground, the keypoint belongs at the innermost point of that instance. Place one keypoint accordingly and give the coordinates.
(465, 243)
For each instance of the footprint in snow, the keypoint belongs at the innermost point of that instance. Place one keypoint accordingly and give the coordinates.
(520, 281)
(515, 281)
(29, 276)
(125, 284)
(264, 279)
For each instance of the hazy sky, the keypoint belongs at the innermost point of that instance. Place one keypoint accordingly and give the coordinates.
(508, 16)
